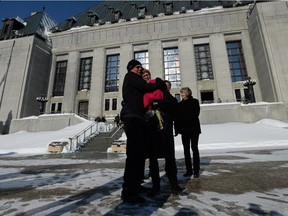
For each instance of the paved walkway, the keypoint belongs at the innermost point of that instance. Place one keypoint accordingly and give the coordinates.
(227, 186)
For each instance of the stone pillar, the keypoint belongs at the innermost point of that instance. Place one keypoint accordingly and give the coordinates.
(188, 65)
(250, 63)
(126, 54)
(221, 68)
(156, 66)
(97, 83)
(51, 81)
(71, 82)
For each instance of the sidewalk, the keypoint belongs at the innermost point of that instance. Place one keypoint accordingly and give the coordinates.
(235, 183)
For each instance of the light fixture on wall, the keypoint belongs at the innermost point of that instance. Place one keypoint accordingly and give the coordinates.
(249, 83)
(41, 103)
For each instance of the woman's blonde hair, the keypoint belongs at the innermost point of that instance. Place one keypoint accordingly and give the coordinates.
(186, 90)
(146, 71)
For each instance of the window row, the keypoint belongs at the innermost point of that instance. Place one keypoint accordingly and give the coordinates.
(203, 61)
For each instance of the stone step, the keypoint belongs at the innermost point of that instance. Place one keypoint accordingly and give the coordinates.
(102, 141)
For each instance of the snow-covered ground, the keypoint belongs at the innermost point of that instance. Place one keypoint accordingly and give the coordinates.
(93, 186)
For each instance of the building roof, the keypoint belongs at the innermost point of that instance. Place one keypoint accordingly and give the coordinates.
(38, 23)
(119, 11)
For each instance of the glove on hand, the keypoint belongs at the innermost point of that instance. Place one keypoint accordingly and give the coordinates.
(161, 84)
(154, 105)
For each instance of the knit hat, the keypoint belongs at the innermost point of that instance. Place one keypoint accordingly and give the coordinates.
(132, 64)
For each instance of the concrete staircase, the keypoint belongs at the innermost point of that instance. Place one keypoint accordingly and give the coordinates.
(102, 141)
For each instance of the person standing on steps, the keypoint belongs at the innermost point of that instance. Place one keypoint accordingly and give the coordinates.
(135, 126)
(188, 125)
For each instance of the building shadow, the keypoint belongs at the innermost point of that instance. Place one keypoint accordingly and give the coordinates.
(186, 212)
(77, 200)
(151, 205)
(103, 193)
(256, 210)
(6, 126)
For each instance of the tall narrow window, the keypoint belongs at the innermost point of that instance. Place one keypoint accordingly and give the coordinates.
(53, 107)
(59, 108)
(143, 57)
(178, 98)
(238, 95)
(236, 61)
(60, 75)
(203, 62)
(85, 74)
(107, 104)
(114, 104)
(172, 67)
(112, 73)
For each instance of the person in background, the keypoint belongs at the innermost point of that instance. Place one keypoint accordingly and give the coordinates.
(135, 126)
(188, 125)
(103, 119)
(117, 120)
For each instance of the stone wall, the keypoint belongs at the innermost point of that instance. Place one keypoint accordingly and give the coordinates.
(45, 122)
(210, 114)
(237, 112)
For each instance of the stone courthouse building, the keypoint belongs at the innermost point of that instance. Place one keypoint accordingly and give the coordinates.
(209, 46)
(25, 59)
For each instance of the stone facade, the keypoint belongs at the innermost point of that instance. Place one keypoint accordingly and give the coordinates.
(25, 67)
(258, 33)
(260, 28)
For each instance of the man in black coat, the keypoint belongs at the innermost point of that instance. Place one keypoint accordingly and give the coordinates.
(135, 126)
(162, 143)
(188, 125)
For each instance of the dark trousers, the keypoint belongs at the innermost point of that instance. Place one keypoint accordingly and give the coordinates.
(135, 153)
(191, 140)
(170, 168)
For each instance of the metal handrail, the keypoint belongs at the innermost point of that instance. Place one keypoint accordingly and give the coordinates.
(83, 136)
(116, 131)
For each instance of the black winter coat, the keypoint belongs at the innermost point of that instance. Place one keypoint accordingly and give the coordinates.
(134, 88)
(161, 143)
(187, 117)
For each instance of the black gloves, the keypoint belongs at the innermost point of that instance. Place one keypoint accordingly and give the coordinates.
(161, 84)
(154, 105)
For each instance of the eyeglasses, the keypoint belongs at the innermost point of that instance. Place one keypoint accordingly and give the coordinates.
(139, 67)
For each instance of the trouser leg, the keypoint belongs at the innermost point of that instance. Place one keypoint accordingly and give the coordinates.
(171, 171)
(154, 172)
(195, 150)
(135, 153)
(187, 155)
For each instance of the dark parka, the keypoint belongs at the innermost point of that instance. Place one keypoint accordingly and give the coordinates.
(162, 142)
(134, 88)
(135, 126)
(187, 117)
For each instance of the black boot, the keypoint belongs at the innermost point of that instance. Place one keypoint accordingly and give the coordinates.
(154, 191)
(129, 196)
(175, 188)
